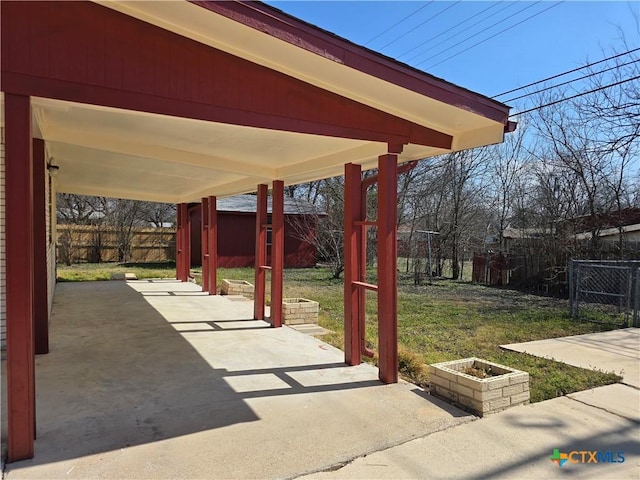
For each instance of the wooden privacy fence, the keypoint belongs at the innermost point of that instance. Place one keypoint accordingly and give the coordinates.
(98, 243)
(491, 268)
(529, 272)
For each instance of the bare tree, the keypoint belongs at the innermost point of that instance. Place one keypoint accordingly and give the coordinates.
(507, 174)
(78, 209)
(157, 214)
(122, 216)
(324, 229)
(592, 154)
(462, 173)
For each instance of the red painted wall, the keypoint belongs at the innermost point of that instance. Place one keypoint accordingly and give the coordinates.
(236, 242)
(87, 53)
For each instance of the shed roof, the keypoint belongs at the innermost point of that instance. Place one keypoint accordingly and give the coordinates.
(248, 204)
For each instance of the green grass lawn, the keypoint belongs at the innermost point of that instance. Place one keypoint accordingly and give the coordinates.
(82, 272)
(444, 321)
(450, 320)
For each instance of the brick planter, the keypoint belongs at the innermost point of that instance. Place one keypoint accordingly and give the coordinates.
(236, 287)
(481, 396)
(299, 311)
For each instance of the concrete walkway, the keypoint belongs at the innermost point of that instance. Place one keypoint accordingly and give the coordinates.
(152, 379)
(518, 443)
(615, 351)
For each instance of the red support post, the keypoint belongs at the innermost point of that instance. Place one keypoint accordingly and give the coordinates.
(352, 246)
(40, 274)
(212, 247)
(362, 254)
(277, 252)
(261, 253)
(187, 243)
(181, 250)
(387, 268)
(19, 274)
(178, 242)
(204, 243)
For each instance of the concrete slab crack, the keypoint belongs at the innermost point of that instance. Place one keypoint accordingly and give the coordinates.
(339, 465)
(632, 420)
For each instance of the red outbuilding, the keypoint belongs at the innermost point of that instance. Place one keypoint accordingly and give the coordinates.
(237, 237)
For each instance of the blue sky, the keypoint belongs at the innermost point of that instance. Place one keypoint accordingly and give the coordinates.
(565, 36)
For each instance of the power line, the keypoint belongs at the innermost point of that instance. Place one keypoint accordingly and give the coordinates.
(577, 95)
(571, 81)
(449, 29)
(566, 73)
(495, 35)
(399, 22)
(419, 25)
(475, 34)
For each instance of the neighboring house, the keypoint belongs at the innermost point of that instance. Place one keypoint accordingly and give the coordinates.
(628, 233)
(610, 227)
(602, 221)
(237, 232)
(512, 238)
(539, 257)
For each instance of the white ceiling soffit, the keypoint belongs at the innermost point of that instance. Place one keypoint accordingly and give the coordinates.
(127, 154)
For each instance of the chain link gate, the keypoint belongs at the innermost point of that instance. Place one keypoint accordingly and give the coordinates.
(605, 291)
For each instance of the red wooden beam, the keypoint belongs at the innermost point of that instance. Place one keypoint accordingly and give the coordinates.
(187, 243)
(181, 240)
(363, 223)
(40, 275)
(277, 252)
(19, 275)
(352, 241)
(387, 268)
(212, 247)
(366, 286)
(86, 53)
(178, 242)
(364, 185)
(261, 253)
(204, 242)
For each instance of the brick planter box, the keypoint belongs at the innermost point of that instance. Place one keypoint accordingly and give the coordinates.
(299, 311)
(236, 287)
(481, 396)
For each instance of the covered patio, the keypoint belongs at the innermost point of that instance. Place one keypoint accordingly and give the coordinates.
(169, 382)
(187, 101)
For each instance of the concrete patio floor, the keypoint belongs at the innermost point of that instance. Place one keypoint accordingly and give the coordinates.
(153, 379)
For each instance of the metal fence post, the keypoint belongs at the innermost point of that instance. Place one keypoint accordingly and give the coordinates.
(571, 287)
(577, 294)
(627, 317)
(636, 308)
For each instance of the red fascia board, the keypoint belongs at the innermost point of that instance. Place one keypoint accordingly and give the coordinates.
(309, 37)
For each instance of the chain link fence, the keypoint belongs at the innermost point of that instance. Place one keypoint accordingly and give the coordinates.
(605, 291)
